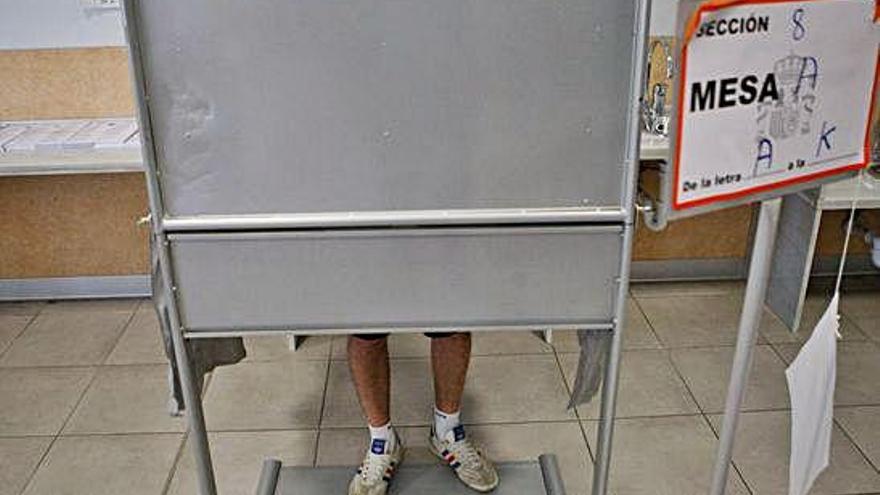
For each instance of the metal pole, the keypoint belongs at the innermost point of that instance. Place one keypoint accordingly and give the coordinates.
(753, 305)
(638, 75)
(553, 484)
(198, 437)
(268, 483)
(612, 372)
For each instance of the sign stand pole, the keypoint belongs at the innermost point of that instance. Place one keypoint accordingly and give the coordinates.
(753, 305)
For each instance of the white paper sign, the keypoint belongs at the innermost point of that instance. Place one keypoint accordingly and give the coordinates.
(811, 379)
(773, 93)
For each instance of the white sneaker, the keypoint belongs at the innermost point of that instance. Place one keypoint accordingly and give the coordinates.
(377, 470)
(468, 462)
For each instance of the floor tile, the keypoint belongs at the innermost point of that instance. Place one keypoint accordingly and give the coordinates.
(862, 424)
(814, 307)
(498, 385)
(509, 343)
(141, 343)
(861, 303)
(493, 392)
(637, 333)
(412, 395)
(517, 442)
(692, 321)
(346, 446)
(106, 465)
(38, 401)
(21, 308)
(858, 366)
(868, 325)
(11, 326)
(277, 347)
(664, 456)
(762, 453)
(238, 457)
(19, 458)
(863, 309)
(649, 386)
(126, 399)
(257, 396)
(281, 390)
(502, 442)
(67, 338)
(707, 373)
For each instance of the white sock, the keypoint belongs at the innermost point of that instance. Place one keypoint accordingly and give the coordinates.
(382, 439)
(446, 422)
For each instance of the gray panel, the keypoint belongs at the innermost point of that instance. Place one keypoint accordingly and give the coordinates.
(517, 478)
(396, 278)
(261, 106)
(793, 257)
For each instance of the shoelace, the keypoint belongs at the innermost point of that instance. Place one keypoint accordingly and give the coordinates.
(374, 468)
(466, 452)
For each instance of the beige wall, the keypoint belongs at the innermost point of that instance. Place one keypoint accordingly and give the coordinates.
(61, 84)
(69, 225)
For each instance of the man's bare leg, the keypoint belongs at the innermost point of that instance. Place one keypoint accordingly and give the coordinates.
(370, 371)
(368, 361)
(450, 357)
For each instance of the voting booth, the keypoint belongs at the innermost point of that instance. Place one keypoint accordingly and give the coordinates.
(381, 166)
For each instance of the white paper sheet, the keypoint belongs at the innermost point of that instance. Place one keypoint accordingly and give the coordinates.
(811, 378)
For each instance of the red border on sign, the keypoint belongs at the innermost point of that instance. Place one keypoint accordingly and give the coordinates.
(712, 5)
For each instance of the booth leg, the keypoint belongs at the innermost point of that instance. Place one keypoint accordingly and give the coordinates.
(198, 437)
(602, 465)
(607, 409)
(753, 305)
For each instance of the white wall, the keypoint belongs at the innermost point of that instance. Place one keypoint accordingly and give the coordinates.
(56, 24)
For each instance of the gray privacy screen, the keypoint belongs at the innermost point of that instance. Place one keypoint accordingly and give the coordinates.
(268, 106)
(417, 278)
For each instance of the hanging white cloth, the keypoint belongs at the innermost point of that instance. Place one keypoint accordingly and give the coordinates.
(811, 378)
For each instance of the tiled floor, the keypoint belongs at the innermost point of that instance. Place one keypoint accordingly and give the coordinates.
(83, 401)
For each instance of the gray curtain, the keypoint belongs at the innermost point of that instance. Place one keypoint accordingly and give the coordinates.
(204, 354)
(595, 345)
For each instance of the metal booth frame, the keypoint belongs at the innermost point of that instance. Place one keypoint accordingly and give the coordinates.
(164, 227)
